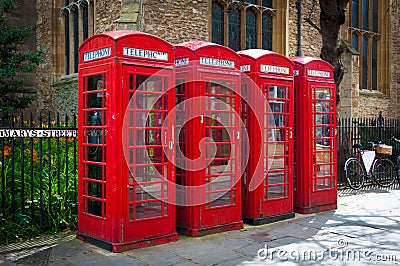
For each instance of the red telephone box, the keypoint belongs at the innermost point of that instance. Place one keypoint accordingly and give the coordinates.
(315, 186)
(267, 184)
(208, 169)
(124, 198)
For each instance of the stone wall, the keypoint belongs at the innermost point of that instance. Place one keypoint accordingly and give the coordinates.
(311, 39)
(107, 14)
(66, 95)
(346, 88)
(45, 100)
(177, 21)
(370, 103)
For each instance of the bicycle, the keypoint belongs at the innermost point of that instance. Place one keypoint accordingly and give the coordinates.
(381, 169)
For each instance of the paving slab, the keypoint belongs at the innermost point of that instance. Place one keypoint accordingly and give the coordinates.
(385, 237)
(76, 252)
(162, 258)
(319, 221)
(250, 251)
(354, 230)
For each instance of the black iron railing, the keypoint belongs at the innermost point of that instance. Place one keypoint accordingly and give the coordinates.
(38, 188)
(364, 130)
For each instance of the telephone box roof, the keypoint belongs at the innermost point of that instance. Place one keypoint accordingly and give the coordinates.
(196, 45)
(257, 53)
(121, 34)
(304, 60)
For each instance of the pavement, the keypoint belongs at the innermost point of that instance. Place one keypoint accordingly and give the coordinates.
(363, 230)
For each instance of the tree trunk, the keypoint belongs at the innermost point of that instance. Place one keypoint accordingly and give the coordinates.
(332, 17)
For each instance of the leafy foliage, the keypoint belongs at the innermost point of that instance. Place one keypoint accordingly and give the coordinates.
(42, 198)
(13, 61)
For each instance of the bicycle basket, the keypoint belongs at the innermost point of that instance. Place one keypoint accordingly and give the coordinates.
(383, 149)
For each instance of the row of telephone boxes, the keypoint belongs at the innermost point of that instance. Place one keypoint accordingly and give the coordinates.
(196, 138)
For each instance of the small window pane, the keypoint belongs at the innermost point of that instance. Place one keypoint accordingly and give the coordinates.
(94, 207)
(322, 183)
(364, 63)
(354, 41)
(220, 199)
(267, 31)
(375, 15)
(251, 29)
(254, 2)
(374, 64)
(85, 22)
(67, 48)
(267, 3)
(276, 192)
(217, 23)
(95, 190)
(76, 40)
(234, 30)
(148, 210)
(95, 171)
(354, 14)
(365, 11)
(277, 92)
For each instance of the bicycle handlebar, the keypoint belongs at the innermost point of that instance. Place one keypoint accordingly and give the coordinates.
(395, 139)
(360, 147)
(373, 143)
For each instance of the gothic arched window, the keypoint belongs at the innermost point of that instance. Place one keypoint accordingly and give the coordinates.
(78, 20)
(244, 24)
(366, 37)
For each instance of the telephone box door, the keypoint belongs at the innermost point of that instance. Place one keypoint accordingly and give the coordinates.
(277, 142)
(210, 138)
(148, 148)
(94, 84)
(222, 135)
(323, 140)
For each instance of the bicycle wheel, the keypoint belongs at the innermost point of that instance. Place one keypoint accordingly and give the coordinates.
(384, 172)
(355, 173)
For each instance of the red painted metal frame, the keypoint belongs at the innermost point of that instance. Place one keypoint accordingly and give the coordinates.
(264, 71)
(316, 147)
(193, 80)
(111, 227)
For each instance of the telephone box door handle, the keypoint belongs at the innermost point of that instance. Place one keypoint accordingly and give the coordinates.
(171, 142)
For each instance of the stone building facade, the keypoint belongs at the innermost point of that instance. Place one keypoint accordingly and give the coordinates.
(187, 20)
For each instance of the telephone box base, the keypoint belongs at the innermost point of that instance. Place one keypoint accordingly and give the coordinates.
(119, 247)
(210, 230)
(268, 219)
(315, 209)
